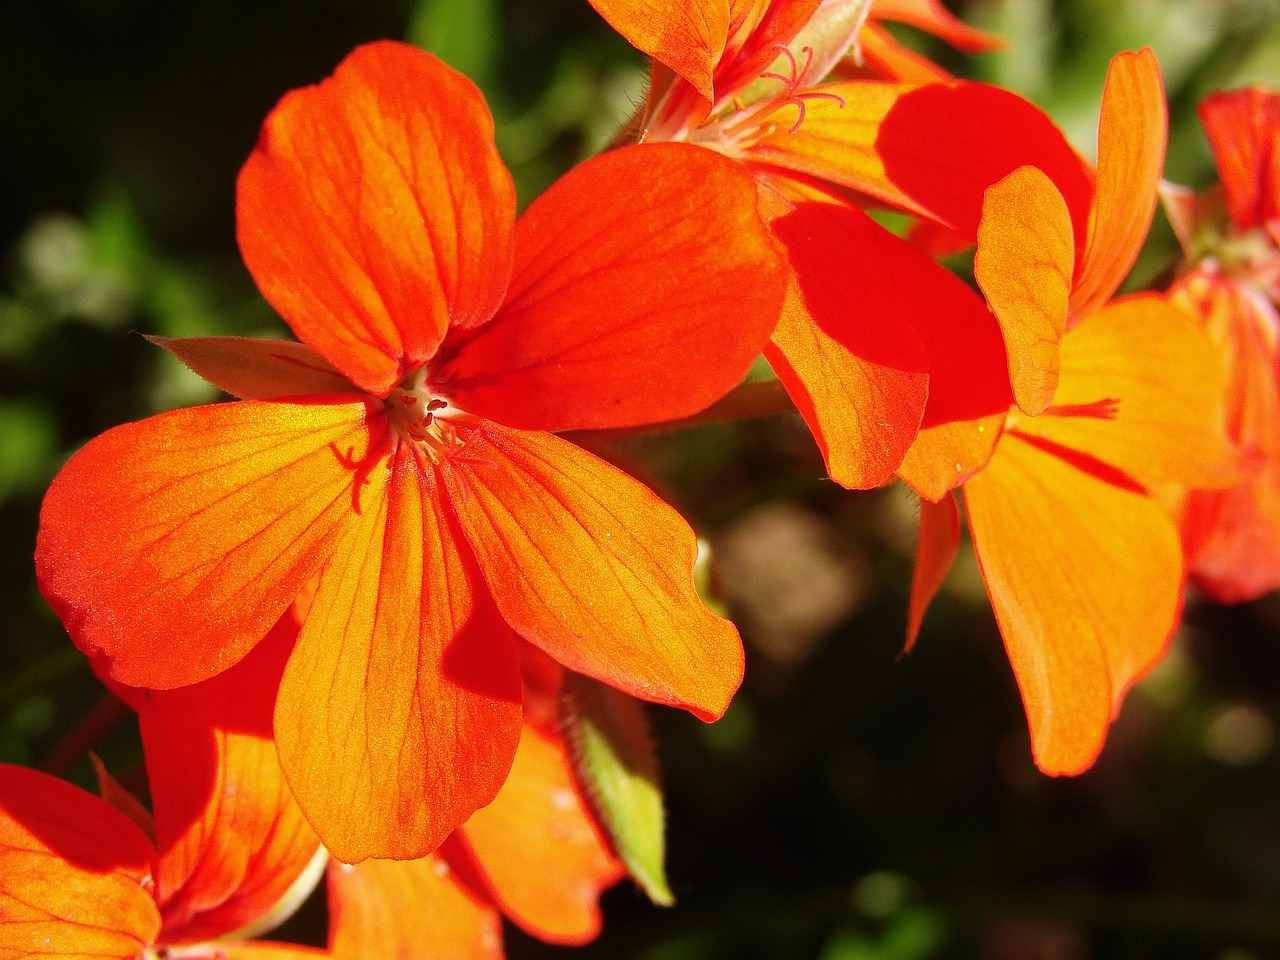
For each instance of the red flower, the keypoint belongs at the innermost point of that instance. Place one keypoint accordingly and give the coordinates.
(404, 455)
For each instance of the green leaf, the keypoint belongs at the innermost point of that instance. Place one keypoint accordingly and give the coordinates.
(463, 35)
(611, 745)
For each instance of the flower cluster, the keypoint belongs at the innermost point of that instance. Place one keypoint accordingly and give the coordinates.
(380, 621)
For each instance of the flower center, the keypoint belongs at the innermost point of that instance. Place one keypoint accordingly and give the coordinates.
(418, 416)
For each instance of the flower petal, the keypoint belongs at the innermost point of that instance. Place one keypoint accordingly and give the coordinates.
(257, 369)
(1024, 263)
(538, 848)
(1243, 127)
(375, 213)
(233, 843)
(884, 57)
(1085, 578)
(620, 312)
(1142, 390)
(75, 873)
(399, 710)
(687, 37)
(936, 547)
(592, 567)
(169, 547)
(945, 455)
(1131, 138)
(932, 17)
(415, 909)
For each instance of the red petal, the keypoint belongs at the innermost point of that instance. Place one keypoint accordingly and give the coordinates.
(257, 369)
(1024, 264)
(688, 38)
(589, 565)
(232, 841)
(415, 910)
(375, 213)
(539, 849)
(1243, 127)
(620, 312)
(75, 873)
(935, 552)
(399, 711)
(1085, 579)
(1131, 137)
(777, 23)
(171, 546)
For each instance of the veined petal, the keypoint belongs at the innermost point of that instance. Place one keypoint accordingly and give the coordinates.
(1024, 264)
(75, 873)
(399, 711)
(589, 565)
(936, 546)
(687, 37)
(1085, 578)
(1243, 127)
(932, 17)
(538, 847)
(233, 843)
(414, 909)
(375, 213)
(257, 369)
(1142, 390)
(846, 347)
(1131, 138)
(620, 312)
(171, 546)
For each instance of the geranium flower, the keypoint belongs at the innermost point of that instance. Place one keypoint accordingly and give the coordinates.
(402, 452)
(1231, 283)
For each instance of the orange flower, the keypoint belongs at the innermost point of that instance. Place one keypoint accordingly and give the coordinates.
(402, 453)
(1231, 284)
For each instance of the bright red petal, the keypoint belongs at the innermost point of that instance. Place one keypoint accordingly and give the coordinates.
(171, 546)
(539, 848)
(375, 213)
(1131, 138)
(75, 873)
(620, 312)
(412, 910)
(687, 37)
(399, 711)
(1243, 127)
(935, 552)
(589, 565)
(233, 844)
(257, 369)
(1085, 578)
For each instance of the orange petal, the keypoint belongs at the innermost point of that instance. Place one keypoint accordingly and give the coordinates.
(947, 454)
(75, 873)
(1243, 127)
(1085, 578)
(684, 319)
(234, 847)
(688, 38)
(1023, 265)
(861, 386)
(264, 950)
(592, 567)
(399, 711)
(257, 369)
(884, 57)
(375, 212)
(758, 32)
(539, 849)
(932, 17)
(199, 527)
(1142, 390)
(415, 909)
(1131, 138)
(935, 552)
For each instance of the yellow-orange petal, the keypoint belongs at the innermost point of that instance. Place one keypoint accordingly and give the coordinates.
(399, 711)
(860, 384)
(1131, 138)
(171, 546)
(257, 369)
(1024, 264)
(416, 909)
(936, 546)
(538, 847)
(620, 312)
(1142, 390)
(375, 213)
(1085, 578)
(945, 455)
(75, 873)
(235, 850)
(1243, 128)
(588, 564)
(687, 37)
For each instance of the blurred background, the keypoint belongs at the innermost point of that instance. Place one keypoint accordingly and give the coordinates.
(853, 804)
